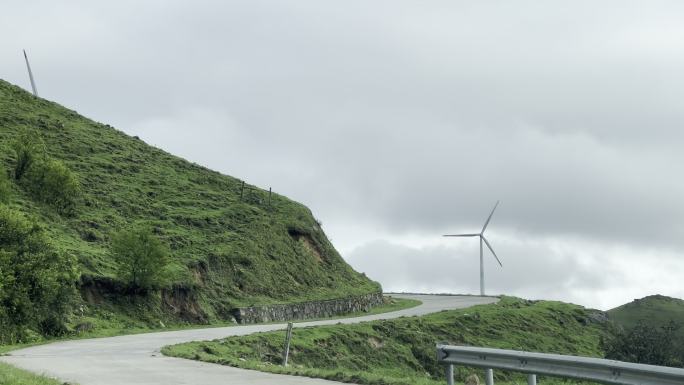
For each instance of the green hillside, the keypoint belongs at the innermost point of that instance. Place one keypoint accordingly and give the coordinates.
(402, 351)
(230, 246)
(657, 310)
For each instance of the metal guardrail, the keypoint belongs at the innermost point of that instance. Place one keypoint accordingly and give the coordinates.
(556, 365)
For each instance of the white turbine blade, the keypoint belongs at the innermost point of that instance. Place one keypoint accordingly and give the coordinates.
(492, 250)
(461, 235)
(489, 218)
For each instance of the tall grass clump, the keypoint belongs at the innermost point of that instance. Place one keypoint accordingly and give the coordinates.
(28, 148)
(5, 188)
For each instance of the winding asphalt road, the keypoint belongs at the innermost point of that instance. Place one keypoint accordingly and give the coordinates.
(135, 359)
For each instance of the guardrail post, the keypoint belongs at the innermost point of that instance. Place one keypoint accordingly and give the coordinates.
(489, 376)
(531, 379)
(450, 374)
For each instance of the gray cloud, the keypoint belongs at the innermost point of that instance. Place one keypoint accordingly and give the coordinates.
(397, 119)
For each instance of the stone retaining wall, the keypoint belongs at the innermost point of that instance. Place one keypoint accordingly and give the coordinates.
(306, 310)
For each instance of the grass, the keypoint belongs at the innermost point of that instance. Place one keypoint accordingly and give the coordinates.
(402, 351)
(9, 375)
(231, 246)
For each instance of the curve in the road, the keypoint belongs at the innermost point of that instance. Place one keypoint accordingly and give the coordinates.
(136, 360)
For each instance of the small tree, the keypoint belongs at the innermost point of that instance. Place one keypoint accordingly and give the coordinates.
(28, 148)
(143, 259)
(52, 182)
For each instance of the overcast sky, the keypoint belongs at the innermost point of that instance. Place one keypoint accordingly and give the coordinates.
(398, 121)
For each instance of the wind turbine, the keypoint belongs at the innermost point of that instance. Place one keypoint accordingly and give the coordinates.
(33, 83)
(482, 239)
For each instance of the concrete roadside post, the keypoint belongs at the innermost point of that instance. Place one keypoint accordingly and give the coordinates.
(288, 337)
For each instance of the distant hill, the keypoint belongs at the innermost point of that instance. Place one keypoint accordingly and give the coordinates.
(656, 310)
(232, 246)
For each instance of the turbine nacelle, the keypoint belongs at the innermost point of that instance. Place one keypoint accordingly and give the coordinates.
(481, 234)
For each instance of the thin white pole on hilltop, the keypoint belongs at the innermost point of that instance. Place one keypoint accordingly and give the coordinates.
(33, 83)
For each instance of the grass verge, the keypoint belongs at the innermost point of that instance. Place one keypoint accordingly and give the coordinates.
(402, 351)
(9, 375)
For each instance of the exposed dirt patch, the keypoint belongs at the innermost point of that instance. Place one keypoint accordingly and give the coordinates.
(182, 302)
(95, 290)
(199, 273)
(311, 247)
(179, 301)
(309, 244)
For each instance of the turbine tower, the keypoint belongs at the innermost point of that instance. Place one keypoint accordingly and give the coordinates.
(33, 83)
(482, 239)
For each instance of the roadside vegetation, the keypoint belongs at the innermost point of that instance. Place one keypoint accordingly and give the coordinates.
(37, 282)
(646, 344)
(402, 351)
(10, 375)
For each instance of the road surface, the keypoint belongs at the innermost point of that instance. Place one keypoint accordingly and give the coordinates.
(136, 360)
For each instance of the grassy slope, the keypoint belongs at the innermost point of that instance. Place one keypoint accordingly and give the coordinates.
(10, 375)
(656, 310)
(229, 251)
(402, 351)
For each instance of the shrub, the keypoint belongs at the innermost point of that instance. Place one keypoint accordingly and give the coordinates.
(51, 182)
(645, 344)
(143, 259)
(37, 283)
(28, 148)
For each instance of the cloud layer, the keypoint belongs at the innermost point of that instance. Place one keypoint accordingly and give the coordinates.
(398, 121)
